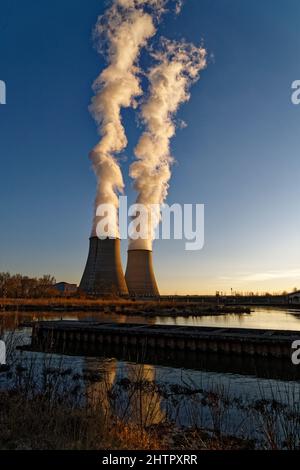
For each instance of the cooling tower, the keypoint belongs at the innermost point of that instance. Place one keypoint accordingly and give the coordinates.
(139, 275)
(103, 274)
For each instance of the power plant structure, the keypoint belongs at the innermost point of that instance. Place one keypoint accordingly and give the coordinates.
(103, 274)
(139, 275)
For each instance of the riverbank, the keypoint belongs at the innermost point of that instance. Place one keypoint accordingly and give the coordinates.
(122, 306)
(89, 412)
(106, 402)
(59, 426)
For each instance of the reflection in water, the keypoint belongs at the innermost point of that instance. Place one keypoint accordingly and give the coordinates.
(123, 389)
(260, 317)
(101, 376)
(145, 408)
(137, 393)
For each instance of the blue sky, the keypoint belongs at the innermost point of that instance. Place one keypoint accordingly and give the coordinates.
(239, 154)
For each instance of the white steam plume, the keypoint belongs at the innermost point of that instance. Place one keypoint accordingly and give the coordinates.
(126, 28)
(178, 66)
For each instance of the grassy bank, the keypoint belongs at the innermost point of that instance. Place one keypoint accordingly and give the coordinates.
(40, 424)
(50, 408)
(56, 408)
(122, 306)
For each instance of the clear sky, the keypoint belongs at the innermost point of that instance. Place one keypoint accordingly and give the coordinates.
(239, 154)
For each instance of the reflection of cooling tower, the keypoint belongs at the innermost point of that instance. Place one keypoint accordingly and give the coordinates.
(139, 275)
(103, 274)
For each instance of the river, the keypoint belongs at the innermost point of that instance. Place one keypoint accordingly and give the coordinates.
(240, 384)
(260, 317)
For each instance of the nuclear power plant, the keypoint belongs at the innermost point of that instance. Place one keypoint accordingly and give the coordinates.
(177, 66)
(103, 274)
(139, 275)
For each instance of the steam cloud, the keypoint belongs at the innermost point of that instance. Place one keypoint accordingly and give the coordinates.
(178, 65)
(126, 28)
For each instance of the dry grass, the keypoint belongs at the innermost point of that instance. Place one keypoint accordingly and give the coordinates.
(37, 424)
(63, 410)
(48, 407)
(64, 301)
(118, 305)
(93, 301)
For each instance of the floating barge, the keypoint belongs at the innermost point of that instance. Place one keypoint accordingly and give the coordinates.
(77, 335)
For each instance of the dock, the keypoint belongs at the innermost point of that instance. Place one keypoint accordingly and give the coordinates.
(63, 335)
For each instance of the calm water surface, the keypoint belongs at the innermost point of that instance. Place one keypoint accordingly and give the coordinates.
(260, 317)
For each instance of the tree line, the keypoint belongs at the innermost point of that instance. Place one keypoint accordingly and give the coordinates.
(17, 286)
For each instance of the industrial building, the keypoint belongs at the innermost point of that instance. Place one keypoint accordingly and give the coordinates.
(103, 274)
(139, 275)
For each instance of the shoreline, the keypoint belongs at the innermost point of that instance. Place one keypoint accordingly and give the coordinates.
(147, 308)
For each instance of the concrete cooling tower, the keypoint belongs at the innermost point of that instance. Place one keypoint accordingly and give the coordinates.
(103, 274)
(139, 275)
